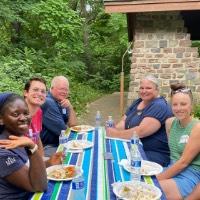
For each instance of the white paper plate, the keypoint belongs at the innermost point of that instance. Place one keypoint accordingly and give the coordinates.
(148, 168)
(49, 170)
(78, 144)
(136, 191)
(82, 129)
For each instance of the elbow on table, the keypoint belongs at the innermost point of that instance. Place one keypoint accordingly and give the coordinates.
(42, 187)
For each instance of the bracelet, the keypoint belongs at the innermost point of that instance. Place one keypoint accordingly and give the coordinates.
(31, 151)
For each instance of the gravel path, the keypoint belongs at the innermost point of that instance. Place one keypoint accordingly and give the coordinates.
(107, 105)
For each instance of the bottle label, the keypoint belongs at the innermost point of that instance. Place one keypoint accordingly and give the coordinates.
(136, 163)
(109, 123)
(134, 141)
(77, 185)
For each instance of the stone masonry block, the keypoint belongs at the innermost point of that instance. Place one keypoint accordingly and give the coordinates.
(160, 36)
(167, 50)
(156, 66)
(187, 54)
(195, 54)
(138, 44)
(173, 43)
(177, 65)
(163, 43)
(142, 60)
(165, 65)
(136, 50)
(153, 60)
(165, 76)
(186, 60)
(178, 50)
(151, 44)
(191, 49)
(172, 60)
(180, 76)
(168, 70)
(149, 55)
(185, 43)
(137, 55)
(159, 55)
(155, 50)
(181, 36)
(179, 55)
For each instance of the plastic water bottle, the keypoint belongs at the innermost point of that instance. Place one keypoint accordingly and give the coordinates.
(98, 119)
(110, 122)
(78, 188)
(135, 139)
(64, 155)
(63, 137)
(135, 158)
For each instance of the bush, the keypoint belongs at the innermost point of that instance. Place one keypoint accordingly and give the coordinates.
(196, 112)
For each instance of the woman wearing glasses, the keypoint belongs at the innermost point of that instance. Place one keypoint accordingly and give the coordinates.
(147, 116)
(183, 174)
(35, 96)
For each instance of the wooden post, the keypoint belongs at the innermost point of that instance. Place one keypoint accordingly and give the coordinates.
(122, 82)
(122, 93)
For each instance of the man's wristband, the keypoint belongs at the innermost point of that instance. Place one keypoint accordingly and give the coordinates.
(31, 151)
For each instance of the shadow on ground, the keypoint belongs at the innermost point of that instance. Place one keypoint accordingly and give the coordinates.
(107, 105)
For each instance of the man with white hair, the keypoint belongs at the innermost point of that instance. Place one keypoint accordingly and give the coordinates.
(58, 114)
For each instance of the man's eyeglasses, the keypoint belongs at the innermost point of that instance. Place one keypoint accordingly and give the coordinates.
(183, 90)
(36, 90)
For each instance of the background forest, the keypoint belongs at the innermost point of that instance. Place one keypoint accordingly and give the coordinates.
(62, 37)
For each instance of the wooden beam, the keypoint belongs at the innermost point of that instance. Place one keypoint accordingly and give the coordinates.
(151, 6)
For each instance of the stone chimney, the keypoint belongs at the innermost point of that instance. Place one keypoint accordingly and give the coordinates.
(162, 47)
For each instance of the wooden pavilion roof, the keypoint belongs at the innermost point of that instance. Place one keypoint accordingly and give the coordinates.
(190, 10)
(135, 6)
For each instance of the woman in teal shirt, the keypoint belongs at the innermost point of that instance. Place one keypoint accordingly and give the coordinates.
(183, 174)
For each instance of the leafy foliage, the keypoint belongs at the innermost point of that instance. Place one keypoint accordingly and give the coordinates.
(53, 37)
(196, 112)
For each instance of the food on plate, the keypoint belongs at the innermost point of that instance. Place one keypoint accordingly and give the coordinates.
(145, 169)
(82, 128)
(138, 192)
(63, 173)
(78, 144)
(77, 128)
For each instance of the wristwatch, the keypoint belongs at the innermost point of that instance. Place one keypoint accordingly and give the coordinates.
(31, 151)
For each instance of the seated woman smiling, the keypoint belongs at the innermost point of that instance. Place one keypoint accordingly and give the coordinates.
(147, 117)
(17, 180)
(183, 174)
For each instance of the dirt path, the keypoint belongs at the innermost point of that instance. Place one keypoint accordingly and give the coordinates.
(107, 105)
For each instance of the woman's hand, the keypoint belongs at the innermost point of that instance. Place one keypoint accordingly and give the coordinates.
(15, 141)
(55, 159)
(112, 132)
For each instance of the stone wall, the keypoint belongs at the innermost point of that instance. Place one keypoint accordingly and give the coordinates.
(162, 47)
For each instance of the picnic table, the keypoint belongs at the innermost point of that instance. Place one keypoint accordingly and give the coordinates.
(99, 172)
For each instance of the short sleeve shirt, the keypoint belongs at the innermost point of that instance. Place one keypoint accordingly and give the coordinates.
(11, 161)
(55, 118)
(160, 110)
(35, 126)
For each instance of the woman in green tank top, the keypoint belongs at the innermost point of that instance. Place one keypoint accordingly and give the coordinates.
(183, 174)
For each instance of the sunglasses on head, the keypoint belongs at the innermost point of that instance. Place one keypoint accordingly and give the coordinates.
(183, 90)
